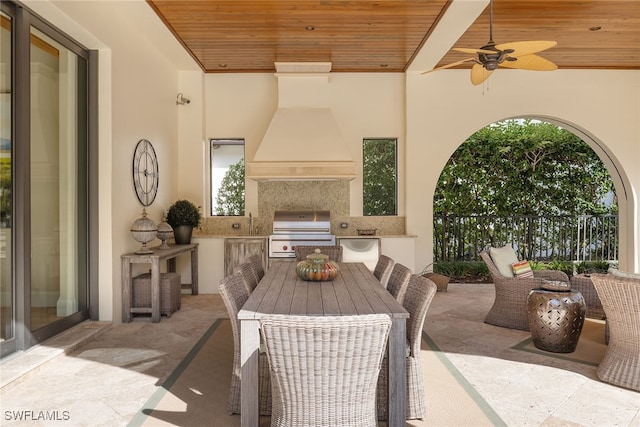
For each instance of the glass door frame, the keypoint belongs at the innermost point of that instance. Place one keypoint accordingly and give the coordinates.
(22, 22)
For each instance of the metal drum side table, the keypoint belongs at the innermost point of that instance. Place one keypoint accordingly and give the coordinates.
(556, 319)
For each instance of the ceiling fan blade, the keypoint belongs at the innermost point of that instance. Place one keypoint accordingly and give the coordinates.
(479, 74)
(526, 48)
(473, 51)
(530, 62)
(453, 64)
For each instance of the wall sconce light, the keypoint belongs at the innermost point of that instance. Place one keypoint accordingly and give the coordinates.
(181, 100)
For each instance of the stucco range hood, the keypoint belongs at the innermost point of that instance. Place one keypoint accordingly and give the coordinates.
(304, 140)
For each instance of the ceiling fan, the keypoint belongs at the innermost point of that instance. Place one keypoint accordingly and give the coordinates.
(521, 55)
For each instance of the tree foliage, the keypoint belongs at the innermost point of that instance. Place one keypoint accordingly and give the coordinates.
(523, 168)
(230, 197)
(379, 177)
(5, 192)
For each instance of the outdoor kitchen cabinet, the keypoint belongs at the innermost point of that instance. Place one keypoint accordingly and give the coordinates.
(237, 249)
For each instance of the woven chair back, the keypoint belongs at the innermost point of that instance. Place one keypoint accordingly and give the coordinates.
(383, 268)
(420, 293)
(325, 369)
(620, 297)
(248, 276)
(234, 294)
(398, 281)
(333, 252)
(256, 264)
(417, 299)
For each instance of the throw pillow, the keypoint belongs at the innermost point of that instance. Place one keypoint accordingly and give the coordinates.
(503, 258)
(522, 269)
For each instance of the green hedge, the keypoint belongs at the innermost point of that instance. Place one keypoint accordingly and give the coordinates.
(565, 266)
(464, 271)
(477, 271)
(594, 267)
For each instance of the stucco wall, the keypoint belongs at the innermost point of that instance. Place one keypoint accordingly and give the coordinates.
(142, 68)
(139, 79)
(365, 105)
(443, 109)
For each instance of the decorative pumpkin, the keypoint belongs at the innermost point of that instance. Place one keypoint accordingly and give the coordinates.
(317, 268)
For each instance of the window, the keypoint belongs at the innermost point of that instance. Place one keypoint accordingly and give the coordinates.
(380, 176)
(227, 177)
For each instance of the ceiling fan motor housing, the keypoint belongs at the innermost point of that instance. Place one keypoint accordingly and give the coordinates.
(490, 61)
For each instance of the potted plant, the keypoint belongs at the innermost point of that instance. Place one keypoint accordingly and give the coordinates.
(183, 216)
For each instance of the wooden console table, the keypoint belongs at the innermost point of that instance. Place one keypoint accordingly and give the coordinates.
(154, 259)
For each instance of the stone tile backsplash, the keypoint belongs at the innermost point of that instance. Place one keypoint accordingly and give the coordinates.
(304, 195)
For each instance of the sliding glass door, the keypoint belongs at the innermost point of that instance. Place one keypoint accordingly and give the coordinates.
(7, 312)
(58, 133)
(44, 181)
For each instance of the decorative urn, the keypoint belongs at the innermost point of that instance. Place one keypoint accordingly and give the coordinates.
(143, 231)
(165, 232)
(317, 268)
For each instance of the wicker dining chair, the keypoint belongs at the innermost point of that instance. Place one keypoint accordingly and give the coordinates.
(383, 268)
(333, 252)
(248, 276)
(234, 295)
(509, 308)
(324, 368)
(256, 264)
(398, 281)
(420, 293)
(620, 297)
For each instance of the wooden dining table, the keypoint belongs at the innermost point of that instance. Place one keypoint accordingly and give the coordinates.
(355, 291)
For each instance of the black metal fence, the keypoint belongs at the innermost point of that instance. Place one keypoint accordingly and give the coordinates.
(540, 238)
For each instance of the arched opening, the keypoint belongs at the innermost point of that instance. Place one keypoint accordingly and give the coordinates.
(445, 227)
(627, 200)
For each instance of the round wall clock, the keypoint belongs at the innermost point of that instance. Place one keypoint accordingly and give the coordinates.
(145, 172)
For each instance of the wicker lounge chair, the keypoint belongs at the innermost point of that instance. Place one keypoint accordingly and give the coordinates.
(420, 293)
(334, 252)
(398, 281)
(620, 298)
(383, 268)
(509, 308)
(234, 294)
(325, 369)
(583, 284)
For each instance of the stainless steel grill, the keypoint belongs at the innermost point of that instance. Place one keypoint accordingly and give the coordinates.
(292, 228)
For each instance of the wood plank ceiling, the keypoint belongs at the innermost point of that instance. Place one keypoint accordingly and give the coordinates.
(385, 35)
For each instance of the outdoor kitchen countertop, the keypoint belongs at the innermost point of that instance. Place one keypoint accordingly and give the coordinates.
(229, 236)
(262, 236)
